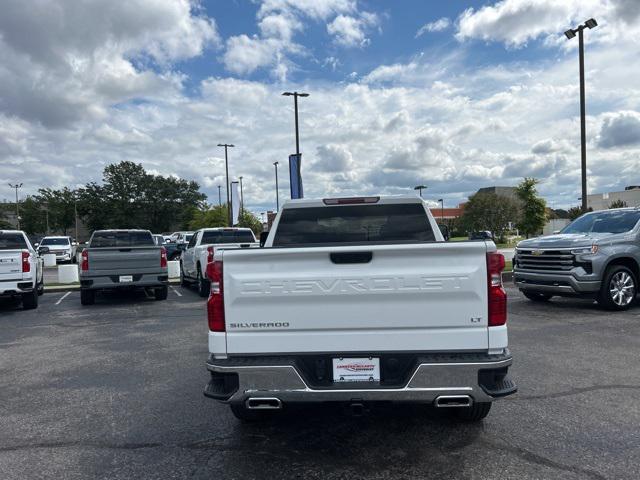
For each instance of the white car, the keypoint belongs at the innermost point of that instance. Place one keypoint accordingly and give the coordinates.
(180, 237)
(201, 249)
(21, 269)
(358, 300)
(64, 248)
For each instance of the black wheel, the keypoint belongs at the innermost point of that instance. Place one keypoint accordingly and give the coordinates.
(41, 288)
(243, 413)
(183, 279)
(203, 285)
(161, 292)
(474, 413)
(537, 296)
(619, 288)
(87, 297)
(30, 300)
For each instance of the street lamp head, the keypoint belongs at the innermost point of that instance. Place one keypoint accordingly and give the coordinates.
(303, 94)
(570, 34)
(441, 200)
(591, 23)
(419, 187)
(276, 163)
(226, 145)
(287, 94)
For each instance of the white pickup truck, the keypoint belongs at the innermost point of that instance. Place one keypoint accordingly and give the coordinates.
(21, 269)
(201, 248)
(358, 300)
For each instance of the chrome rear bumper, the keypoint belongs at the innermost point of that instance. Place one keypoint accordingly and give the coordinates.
(428, 382)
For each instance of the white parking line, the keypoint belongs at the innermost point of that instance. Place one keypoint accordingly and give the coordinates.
(63, 297)
(176, 292)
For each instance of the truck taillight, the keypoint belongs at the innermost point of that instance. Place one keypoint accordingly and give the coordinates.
(163, 257)
(85, 261)
(210, 252)
(26, 266)
(497, 295)
(215, 304)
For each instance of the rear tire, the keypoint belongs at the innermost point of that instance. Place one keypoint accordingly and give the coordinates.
(243, 414)
(203, 285)
(537, 296)
(161, 293)
(41, 288)
(619, 288)
(87, 297)
(474, 413)
(30, 300)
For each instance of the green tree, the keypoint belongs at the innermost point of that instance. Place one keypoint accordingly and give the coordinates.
(575, 212)
(533, 208)
(618, 204)
(61, 207)
(488, 211)
(33, 217)
(4, 222)
(216, 216)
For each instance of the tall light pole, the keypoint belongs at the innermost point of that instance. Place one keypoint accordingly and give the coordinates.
(17, 186)
(275, 164)
(226, 168)
(591, 23)
(420, 188)
(241, 197)
(219, 195)
(75, 213)
(295, 108)
(441, 200)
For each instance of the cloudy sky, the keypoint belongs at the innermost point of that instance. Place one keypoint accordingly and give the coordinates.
(454, 95)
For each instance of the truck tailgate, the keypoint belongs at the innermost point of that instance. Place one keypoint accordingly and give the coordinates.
(10, 265)
(414, 297)
(123, 260)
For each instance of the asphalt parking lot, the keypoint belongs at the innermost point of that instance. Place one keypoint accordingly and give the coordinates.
(115, 391)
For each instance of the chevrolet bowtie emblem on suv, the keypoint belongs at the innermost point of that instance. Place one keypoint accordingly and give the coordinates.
(537, 252)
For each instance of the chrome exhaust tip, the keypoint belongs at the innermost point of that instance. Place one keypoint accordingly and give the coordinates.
(264, 403)
(449, 401)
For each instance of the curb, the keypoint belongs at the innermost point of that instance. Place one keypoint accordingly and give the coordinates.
(74, 287)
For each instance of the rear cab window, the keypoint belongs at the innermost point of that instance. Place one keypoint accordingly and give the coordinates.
(12, 241)
(55, 241)
(121, 239)
(353, 225)
(227, 236)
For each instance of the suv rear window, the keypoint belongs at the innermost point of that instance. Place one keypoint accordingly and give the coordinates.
(232, 236)
(55, 241)
(12, 241)
(121, 239)
(358, 224)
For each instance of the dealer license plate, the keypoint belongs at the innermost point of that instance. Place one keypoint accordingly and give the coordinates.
(356, 369)
(126, 278)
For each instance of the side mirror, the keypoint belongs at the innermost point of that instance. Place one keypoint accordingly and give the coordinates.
(36, 244)
(74, 243)
(263, 238)
(555, 232)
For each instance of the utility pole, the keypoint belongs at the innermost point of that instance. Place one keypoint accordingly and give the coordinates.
(591, 23)
(241, 198)
(441, 200)
(17, 186)
(275, 164)
(219, 195)
(420, 188)
(226, 167)
(75, 212)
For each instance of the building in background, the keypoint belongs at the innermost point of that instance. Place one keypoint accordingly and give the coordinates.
(509, 192)
(601, 201)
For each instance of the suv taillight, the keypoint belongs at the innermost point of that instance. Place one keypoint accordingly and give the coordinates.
(163, 257)
(26, 266)
(210, 252)
(85, 261)
(215, 304)
(497, 295)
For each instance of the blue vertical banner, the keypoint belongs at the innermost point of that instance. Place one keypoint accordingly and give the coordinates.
(295, 178)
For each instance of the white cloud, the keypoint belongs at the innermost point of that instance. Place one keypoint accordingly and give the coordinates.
(436, 26)
(621, 129)
(350, 31)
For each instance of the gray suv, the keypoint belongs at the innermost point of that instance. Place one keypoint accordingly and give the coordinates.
(597, 255)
